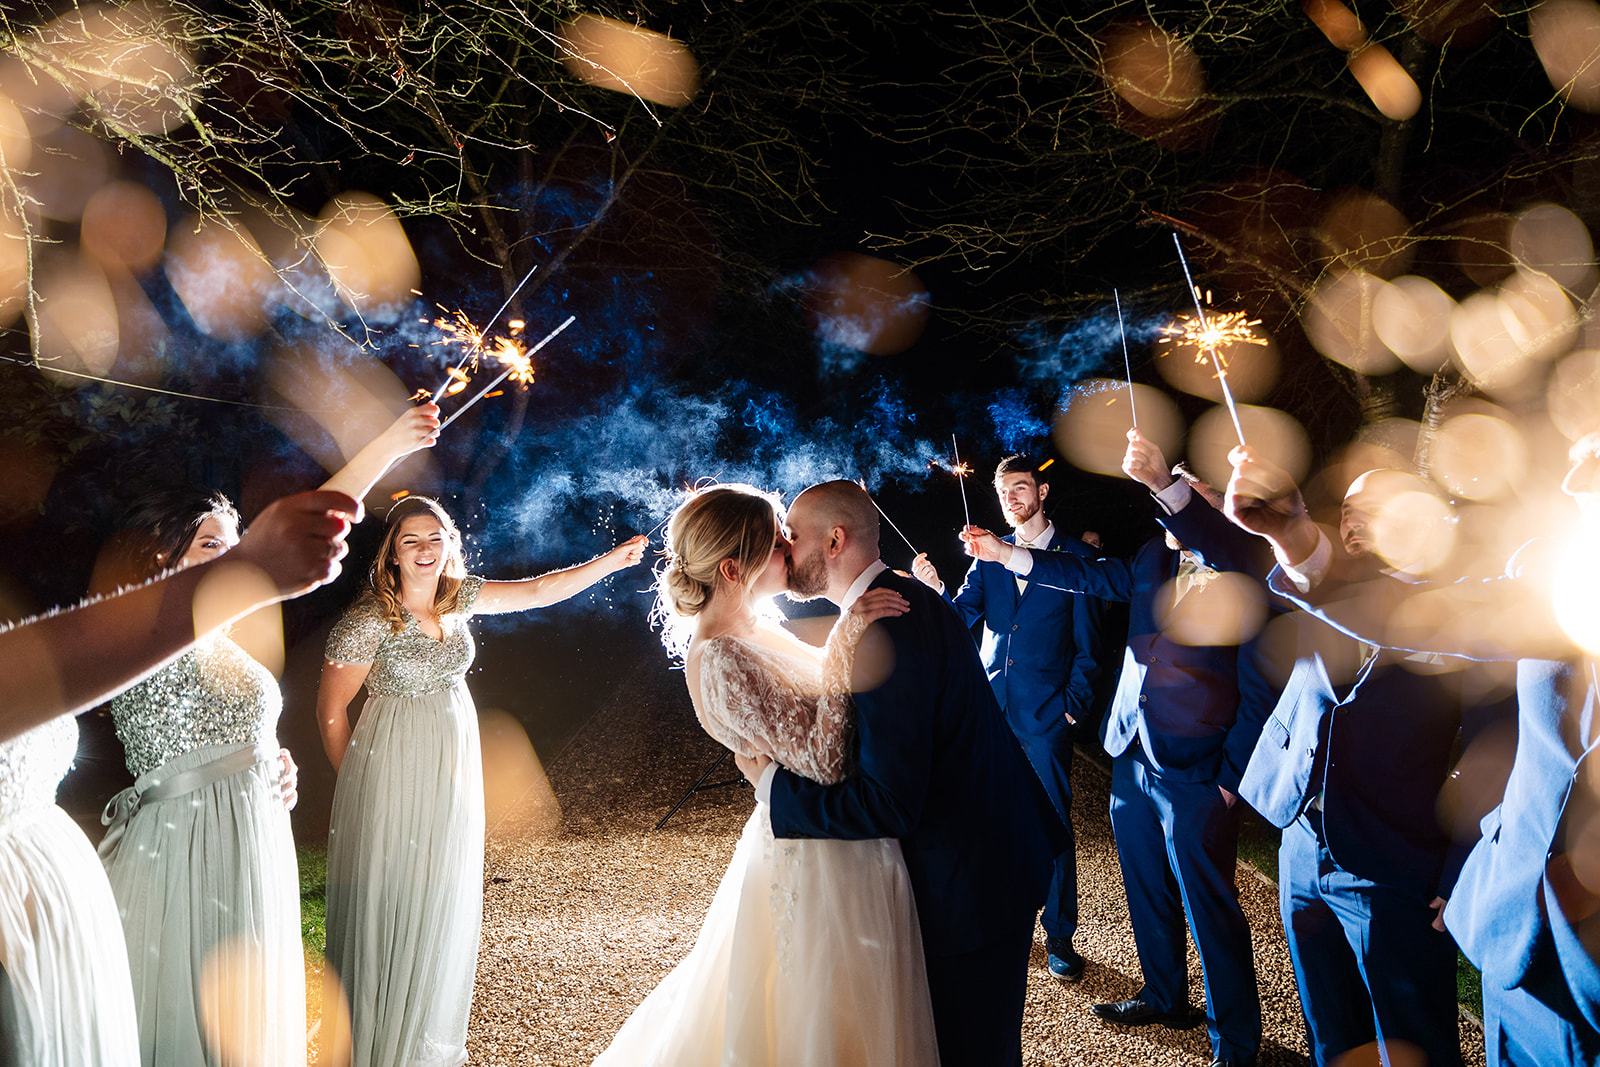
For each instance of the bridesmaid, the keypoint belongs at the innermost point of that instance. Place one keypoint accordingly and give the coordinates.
(65, 996)
(405, 849)
(199, 852)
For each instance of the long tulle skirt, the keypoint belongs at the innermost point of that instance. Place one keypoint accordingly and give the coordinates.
(405, 878)
(65, 999)
(209, 891)
(810, 956)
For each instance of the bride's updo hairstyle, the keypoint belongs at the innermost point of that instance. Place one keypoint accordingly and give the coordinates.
(737, 522)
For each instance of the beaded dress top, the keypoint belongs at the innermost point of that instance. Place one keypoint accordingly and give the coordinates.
(758, 699)
(32, 766)
(408, 663)
(214, 694)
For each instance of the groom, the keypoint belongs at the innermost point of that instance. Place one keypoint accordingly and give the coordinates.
(935, 767)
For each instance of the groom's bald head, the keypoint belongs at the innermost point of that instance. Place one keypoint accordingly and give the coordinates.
(834, 529)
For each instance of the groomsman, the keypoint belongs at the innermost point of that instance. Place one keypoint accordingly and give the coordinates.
(1350, 766)
(1180, 730)
(1526, 907)
(1041, 649)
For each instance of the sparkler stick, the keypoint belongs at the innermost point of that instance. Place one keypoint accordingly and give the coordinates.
(1227, 394)
(961, 476)
(1123, 331)
(437, 393)
(896, 529)
(551, 336)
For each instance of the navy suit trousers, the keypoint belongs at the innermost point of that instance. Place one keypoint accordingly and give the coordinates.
(1369, 964)
(978, 1000)
(1051, 757)
(1178, 843)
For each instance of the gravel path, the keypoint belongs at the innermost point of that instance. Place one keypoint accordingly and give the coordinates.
(587, 907)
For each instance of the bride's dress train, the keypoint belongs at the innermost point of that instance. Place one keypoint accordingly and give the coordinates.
(810, 954)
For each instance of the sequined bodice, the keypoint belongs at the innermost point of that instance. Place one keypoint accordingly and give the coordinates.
(408, 663)
(32, 766)
(214, 694)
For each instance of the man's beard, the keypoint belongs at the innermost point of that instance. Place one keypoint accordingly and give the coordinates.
(1017, 521)
(808, 578)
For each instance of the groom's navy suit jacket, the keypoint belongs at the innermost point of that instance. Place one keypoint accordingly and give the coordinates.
(938, 768)
(1195, 710)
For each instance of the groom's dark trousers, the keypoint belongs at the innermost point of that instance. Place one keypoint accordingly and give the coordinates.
(938, 768)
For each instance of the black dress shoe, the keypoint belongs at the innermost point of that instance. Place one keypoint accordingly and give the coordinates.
(1065, 963)
(1136, 1012)
(1222, 1061)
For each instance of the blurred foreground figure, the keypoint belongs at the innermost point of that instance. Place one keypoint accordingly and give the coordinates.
(1187, 713)
(405, 844)
(1526, 907)
(65, 994)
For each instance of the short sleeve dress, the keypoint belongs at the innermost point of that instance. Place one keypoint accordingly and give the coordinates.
(405, 846)
(206, 878)
(65, 999)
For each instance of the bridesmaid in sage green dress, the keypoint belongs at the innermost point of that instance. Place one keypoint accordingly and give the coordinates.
(405, 847)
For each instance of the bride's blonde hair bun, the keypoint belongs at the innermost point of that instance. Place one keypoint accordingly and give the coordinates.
(737, 522)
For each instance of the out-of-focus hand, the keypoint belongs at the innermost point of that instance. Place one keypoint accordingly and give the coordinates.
(1144, 463)
(415, 429)
(1437, 904)
(288, 780)
(877, 604)
(1264, 500)
(627, 554)
(981, 544)
(926, 573)
(752, 767)
(297, 542)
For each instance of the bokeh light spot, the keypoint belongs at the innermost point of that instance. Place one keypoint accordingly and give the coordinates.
(1273, 434)
(1155, 72)
(1221, 609)
(1339, 320)
(77, 318)
(630, 59)
(1411, 316)
(1409, 526)
(865, 303)
(1386, 82)
(517, 793)
(1363, 231)
(1573, 395)
(125, 225)
(367, 255)
(1338, 23)
(1092, 429)
(1551, 240)
(1566, 36)
(222, 277)
(1478, 455)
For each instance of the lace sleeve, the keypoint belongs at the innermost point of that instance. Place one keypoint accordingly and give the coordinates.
(759, 701)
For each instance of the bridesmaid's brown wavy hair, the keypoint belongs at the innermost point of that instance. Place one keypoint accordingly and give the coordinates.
(384, 577)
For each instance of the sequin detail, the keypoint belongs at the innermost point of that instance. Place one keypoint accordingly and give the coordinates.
(32, 765)
(409, 663)
(214, 694)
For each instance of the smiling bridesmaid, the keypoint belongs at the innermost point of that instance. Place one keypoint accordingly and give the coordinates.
(405, 846)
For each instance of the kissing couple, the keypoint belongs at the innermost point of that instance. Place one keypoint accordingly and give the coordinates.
(879, 906)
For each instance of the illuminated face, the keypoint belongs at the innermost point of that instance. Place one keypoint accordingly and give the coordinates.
(421, 548)
(1582, 482)
(216, 534)
(807, 561)
(1355, 524)
(1020, 496)
(774, 577)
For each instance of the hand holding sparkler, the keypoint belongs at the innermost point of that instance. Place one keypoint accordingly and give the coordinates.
(416, 428)
(1144, 463)
(926, 573)
(627, 554)
(1264, 500)
(983, 545)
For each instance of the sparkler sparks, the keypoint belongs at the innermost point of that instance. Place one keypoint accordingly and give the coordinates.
(518, 365)
(961, 470)
(1209, 337)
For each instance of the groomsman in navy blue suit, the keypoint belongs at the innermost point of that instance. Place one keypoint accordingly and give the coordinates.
(935, 767)
(1350, 766)
(1526, 907)
(1179, 731)
(1041, 648)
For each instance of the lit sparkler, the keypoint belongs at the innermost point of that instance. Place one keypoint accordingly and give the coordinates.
(1211, 337)
(961, 470)
(472, 337)
(517, 363)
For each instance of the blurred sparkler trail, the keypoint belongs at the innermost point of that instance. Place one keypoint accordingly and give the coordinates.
(1206, 335)
(517, 363)
(1122, 331)
(474, 349)
(891, 523)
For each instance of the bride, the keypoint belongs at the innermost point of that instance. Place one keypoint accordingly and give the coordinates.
(810, 954)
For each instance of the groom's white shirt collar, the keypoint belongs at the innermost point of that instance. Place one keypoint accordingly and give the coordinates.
(859, 586)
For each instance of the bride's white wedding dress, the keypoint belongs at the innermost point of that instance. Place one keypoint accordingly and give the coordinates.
(810, 954)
